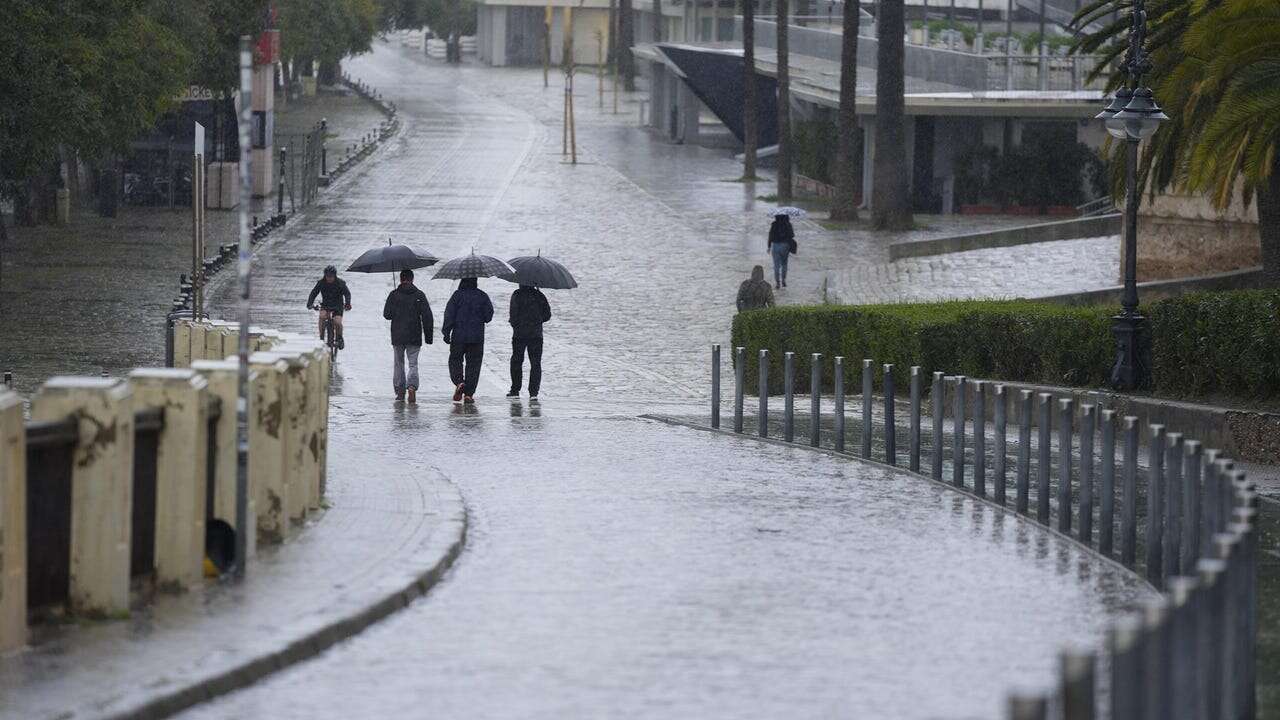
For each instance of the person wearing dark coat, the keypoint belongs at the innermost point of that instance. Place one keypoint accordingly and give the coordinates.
(755, 293)
(782, 244)
(529, 310)
(463, 328)
(410, 315)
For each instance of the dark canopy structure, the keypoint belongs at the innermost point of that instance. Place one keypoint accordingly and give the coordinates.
(716, 77)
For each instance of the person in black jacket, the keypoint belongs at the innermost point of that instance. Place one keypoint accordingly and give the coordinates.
(410, 315)
(334, 297)
(782, 244)
(529, 310)
(463, 328)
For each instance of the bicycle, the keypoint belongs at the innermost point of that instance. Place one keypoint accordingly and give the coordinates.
(328, 335)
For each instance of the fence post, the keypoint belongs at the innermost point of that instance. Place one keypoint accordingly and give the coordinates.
(1155, 507)
(764, 393)
(839, 405)
(788, 397)
(1001, 422)
(815, 398)
(1191, 507)
(1066, 410)
(1087, 418)
(739, 379)
(1023, 500)
(1044, 450)
(980, 438)
(1171, 549)
(1107, 508)
(13, 522)
(1129, 494)
(890, 431)
(101, 487)
(181, 470)
(936, 394)
(866, 409)
(715, 385)
(913, 441)
(1077, 670)
(957, 433)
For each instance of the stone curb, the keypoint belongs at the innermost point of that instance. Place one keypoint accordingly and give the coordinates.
(1024, 235)
(445, 545)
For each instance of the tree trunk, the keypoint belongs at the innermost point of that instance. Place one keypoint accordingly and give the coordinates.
(657, 21)
(750, 104)
(845, 206)
(612, 49)
(329, 72)
(626, 38)
(890, 199)
(1269, 225)
(784, 107)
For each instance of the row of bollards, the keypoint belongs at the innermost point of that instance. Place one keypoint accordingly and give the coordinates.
(1188, 653)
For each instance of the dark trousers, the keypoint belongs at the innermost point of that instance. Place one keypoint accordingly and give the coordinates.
(474, 354)
(534, 348)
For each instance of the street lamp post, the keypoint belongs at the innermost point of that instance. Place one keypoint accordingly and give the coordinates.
(1131, 116)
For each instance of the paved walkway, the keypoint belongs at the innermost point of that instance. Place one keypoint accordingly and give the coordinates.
(617, 566)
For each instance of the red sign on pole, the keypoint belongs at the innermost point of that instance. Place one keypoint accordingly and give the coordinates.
(267, 50)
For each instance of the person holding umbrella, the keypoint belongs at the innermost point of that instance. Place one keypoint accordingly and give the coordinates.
(465, 316)
(782, 242)
(410, 315)
(529, 310)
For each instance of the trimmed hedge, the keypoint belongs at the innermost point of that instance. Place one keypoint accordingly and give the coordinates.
(1212, 343)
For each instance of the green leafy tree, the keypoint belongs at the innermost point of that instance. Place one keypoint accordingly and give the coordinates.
(326, 31)
(1216, 71)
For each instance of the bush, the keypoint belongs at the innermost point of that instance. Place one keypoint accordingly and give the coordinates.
(1049, 168)
(1225, 344)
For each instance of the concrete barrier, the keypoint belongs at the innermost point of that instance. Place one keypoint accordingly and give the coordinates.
(13, 523)
(222, 377)
(182, 343)
(1025, 235)
(101, 488)
(269, 446)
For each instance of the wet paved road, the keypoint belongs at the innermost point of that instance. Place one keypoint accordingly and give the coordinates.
(617, 566)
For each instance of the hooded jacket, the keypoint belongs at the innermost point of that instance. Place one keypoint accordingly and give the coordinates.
(466, 314)
(755, 293)
(529, 309)
(410, 315)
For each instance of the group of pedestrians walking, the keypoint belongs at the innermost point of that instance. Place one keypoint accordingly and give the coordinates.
(755, 292)
(468, 311)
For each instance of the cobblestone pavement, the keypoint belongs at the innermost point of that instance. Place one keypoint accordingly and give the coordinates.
(617, 566)
(91, 297)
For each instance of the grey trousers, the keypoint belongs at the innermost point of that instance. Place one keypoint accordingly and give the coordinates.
(398, 377)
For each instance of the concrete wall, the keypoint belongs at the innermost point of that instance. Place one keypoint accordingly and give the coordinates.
(1181, 234)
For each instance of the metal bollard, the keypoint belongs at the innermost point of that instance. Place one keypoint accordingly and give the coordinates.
(764, 393)
(1087, 418)
(788, 397)
(324, 152)
(1077, 670)
(1155, 621)
(1211, 650)
(1172, 505)
(1183, 672)
(1066, 409)
(913, 440)
(957, 433)
(1042, 469)
(839, 408)
(1124, 646)
(1023, 500)
(980, 439)
(1107, 508)
(815, 399)
(1211, 472)
(739, 380)
(1247, 598)
(1191, 507)
(890, 431)
(1155, 507)
(280, 184)
(715, 386)
(1225, 548)
(1001, 421)
(866, 409)
(936, 394)
(1129, 494)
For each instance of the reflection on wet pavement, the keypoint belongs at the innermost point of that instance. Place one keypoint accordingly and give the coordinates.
(616, 566)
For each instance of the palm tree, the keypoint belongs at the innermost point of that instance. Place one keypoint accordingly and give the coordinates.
(845, 207)
(657, 21)
(626, 38)
(784, 106)
(1214, 69)
(891, 201)
(750, 105)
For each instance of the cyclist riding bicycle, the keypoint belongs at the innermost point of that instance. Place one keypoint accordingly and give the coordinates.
(334, 298)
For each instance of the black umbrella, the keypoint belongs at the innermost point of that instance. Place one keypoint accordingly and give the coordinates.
(392, 258)
(472, 266)
(540, 272)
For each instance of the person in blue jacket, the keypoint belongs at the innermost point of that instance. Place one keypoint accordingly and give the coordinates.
(464, 319)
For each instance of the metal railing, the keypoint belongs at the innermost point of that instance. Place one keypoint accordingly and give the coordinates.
(1185, 522)
(1042, 72)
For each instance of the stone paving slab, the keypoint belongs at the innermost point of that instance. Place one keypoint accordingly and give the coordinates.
(391, 531)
